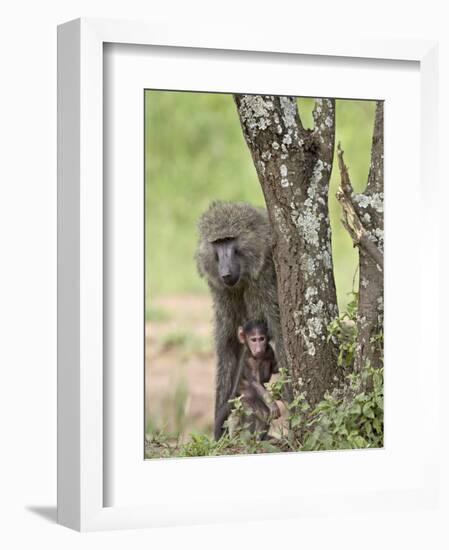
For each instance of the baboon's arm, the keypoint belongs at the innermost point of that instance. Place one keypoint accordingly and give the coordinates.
(228, 317)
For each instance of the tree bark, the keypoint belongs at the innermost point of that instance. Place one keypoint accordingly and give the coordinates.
(364, 220)
(294, 166)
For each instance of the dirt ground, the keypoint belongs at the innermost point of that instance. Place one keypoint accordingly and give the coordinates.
(179, 365)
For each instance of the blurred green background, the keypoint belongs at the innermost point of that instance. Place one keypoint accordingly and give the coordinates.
(195, 153)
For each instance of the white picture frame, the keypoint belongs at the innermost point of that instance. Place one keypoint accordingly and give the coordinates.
(85, 501)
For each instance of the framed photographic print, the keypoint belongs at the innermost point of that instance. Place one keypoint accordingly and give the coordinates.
(228, 303)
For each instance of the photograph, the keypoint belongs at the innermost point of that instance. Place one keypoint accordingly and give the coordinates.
(264, 281)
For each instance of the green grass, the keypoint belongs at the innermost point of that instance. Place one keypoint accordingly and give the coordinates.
(195, 153)
(160, 444)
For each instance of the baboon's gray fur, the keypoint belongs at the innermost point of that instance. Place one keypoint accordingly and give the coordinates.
(253, 297)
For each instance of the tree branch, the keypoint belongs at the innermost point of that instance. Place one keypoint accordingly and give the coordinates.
(351, 220)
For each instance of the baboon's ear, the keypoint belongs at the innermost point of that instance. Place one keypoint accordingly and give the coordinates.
(241, 335)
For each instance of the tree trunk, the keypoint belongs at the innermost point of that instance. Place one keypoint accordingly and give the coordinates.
(364, 220)
(294, 167)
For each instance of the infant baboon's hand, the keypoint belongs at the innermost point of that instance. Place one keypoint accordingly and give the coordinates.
(274, 411)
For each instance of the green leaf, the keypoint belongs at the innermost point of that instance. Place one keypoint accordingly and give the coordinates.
(340, 358)
(368, 428)
(367, 410)
(377, 425)
(356, 409)
(360, 442)
(270, 448)
(295, 421)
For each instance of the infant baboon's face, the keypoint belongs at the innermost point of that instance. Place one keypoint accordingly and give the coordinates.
(257, 343)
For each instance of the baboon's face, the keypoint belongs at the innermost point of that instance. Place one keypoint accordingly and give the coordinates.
(229, 261)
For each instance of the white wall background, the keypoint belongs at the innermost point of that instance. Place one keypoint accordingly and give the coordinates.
(28, 268)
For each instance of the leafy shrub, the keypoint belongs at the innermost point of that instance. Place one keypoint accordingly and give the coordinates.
(351, 416)
(348, 419)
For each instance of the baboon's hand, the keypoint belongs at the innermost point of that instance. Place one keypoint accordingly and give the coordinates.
(274, 411)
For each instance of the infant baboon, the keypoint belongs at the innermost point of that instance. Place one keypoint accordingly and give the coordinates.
(235, 256)
(256, 366)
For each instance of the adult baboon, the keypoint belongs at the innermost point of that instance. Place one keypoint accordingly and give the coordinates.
(235, 256)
